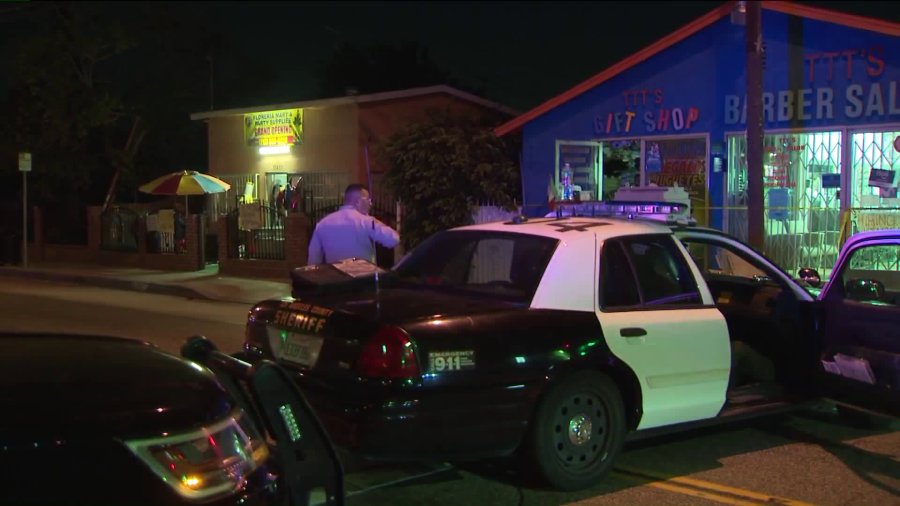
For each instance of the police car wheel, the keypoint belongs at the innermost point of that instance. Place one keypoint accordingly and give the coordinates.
(578, 431)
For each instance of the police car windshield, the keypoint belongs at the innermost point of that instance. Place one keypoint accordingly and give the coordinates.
(484, 263)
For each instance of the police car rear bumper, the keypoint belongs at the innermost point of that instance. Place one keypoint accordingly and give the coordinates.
(423, 423)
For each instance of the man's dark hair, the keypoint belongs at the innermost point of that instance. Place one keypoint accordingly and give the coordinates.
(355, 187)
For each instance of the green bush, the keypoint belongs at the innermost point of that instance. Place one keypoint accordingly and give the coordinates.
(442, 168)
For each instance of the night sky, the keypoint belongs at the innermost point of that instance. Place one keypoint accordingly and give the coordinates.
(519, 53)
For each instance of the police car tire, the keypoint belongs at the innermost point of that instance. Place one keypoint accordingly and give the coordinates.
(568, 452)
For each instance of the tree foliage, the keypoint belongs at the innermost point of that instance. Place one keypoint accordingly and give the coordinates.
(440, 169)
(64, 107)
(83, 75)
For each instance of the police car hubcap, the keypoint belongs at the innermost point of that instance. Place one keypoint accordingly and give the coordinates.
(580, 436)
(580, 430)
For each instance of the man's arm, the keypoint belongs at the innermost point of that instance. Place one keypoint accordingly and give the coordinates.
(315, 255)
(383, 234)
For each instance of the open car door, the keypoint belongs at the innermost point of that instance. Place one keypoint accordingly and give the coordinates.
(859, 315)
(310, 469)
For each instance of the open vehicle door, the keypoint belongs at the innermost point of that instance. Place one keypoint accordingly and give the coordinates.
(311, 472)
(859, 323)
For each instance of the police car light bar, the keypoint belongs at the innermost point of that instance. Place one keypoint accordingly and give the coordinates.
(670, 212)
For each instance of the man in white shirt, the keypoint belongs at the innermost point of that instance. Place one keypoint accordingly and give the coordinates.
(350, 232)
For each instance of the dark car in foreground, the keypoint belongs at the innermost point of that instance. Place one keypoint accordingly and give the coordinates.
(559, 338)
(97, 420)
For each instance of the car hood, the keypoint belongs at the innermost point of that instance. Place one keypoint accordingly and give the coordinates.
(57, 388)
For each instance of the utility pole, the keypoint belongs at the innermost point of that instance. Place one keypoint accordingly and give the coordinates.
(755, 133)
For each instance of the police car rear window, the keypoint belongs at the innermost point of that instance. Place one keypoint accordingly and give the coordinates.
(485, 263)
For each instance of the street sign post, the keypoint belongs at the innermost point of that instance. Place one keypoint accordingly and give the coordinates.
(24, 168)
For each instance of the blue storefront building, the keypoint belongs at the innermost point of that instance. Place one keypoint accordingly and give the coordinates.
(675, 114)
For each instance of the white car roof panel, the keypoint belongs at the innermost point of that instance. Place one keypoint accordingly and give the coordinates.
(567, 229)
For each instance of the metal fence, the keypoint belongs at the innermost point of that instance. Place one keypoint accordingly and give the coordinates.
(220, 204)
(263, 243)
(799, 237)
(166, 232)
(315, 191)
(323, 193)
(119, 229)
(385, 212)
(321, 190)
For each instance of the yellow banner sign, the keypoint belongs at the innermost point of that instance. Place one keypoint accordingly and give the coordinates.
(874, 220)
(274, 128)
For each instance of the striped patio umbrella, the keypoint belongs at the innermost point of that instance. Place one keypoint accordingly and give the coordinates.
(186, 182)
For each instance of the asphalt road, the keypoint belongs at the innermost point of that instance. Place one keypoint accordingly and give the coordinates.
(161, 319)
(808, 457)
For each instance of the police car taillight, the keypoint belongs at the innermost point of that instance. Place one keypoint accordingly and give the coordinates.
(388, 354)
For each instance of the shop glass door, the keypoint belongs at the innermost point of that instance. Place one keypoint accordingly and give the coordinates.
(275, 183)
(620, 165)
(583, 158)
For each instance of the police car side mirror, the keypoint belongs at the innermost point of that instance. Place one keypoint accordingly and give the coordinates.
(810, 276)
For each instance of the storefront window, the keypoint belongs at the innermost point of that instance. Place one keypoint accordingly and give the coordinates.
(801, 191)
(679, 162)
(600, 168)
(874, 180)
(876, 161)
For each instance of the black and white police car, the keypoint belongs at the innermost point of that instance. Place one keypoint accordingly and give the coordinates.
(561, 337)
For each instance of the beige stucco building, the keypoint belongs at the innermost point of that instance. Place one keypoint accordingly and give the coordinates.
(324, 144)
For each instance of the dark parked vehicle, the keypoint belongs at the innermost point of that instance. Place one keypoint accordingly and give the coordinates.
(561, 337)
(109, 421)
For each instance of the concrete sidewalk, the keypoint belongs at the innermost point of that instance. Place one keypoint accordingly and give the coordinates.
(205, 284)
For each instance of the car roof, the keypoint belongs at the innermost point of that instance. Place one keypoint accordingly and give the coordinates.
(566, 228)
(871, 235)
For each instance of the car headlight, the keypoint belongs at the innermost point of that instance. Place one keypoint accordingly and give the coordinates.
(205, 462)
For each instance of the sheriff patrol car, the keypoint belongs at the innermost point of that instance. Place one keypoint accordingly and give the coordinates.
(561, 337)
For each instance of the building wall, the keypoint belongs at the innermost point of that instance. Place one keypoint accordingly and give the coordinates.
(334, 138)
(636, 103)
(329, 145)
(341, 144)
(816, 75)
(846, 76)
